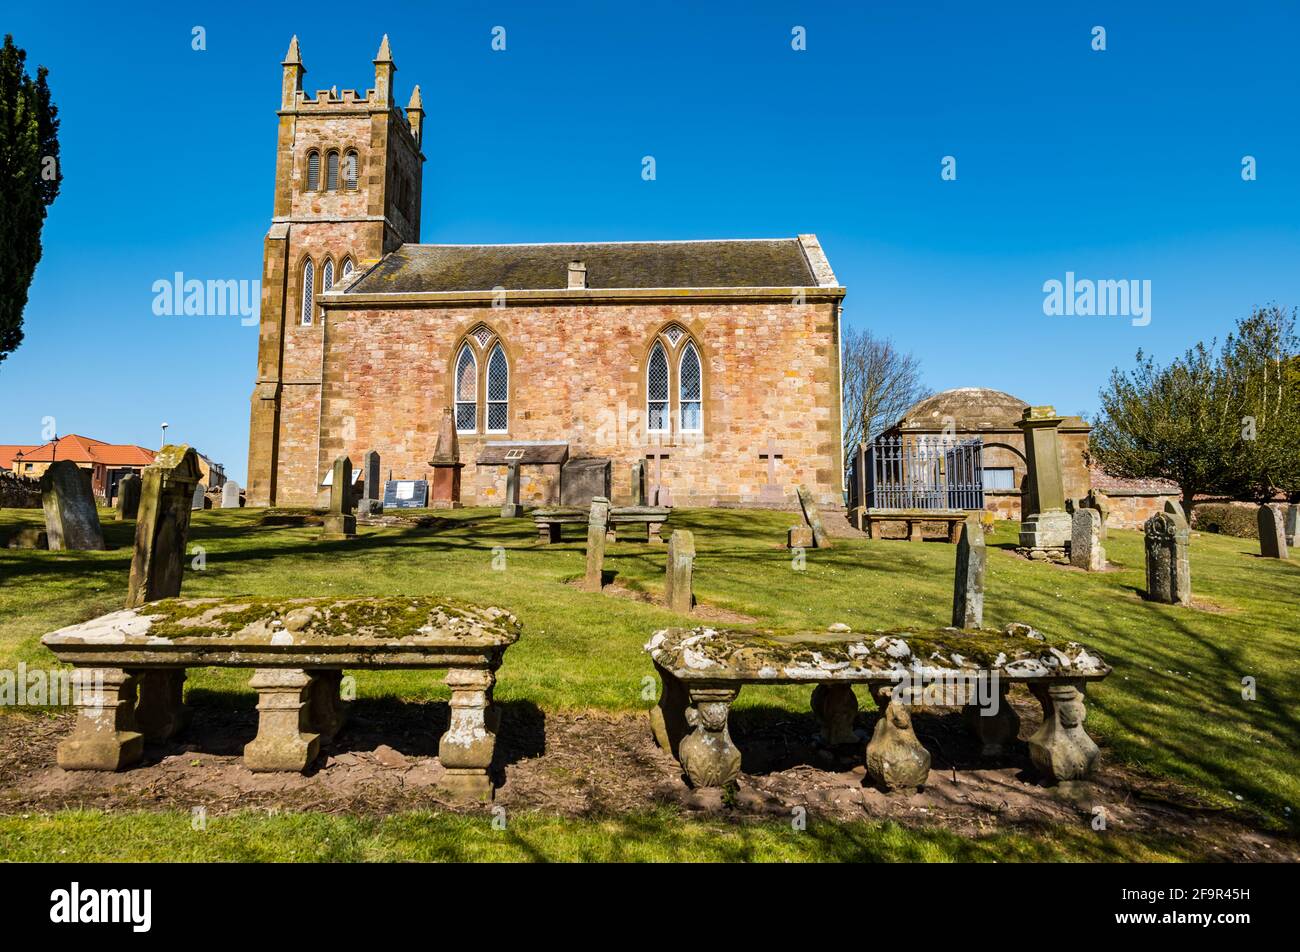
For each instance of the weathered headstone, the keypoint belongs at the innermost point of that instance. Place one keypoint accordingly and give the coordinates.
(968, 584)
(339, 521)
(1086, 550)
(1169, 576)
(230, 495)
(799, 537)
(1173, 507)
(583, 480)
(814, 518)
(1101, 502)
(444, 492)
(681, 560)
(162, 525)
(1045, 526)
(511, 509)
(128, 497)
(1272, 534)
(71, 520)
(199, 497)
(1292, 523)
(372, 496)
(638, 484)
(29, 537)
(597, 524)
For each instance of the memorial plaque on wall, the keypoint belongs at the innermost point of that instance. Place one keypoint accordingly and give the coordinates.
(406, 494)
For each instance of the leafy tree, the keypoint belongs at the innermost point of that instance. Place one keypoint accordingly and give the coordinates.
(29, 182)
(1175, 422)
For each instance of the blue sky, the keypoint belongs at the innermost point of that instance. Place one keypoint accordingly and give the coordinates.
(1122, 164)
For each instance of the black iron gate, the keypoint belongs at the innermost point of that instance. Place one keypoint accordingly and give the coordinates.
(918, 472)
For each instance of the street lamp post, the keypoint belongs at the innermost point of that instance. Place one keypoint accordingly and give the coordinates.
(164, 434)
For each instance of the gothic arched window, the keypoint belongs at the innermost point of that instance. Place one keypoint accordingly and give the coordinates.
(308, 289)
(347, 268)
(656, 390)
(326, 278)
(690, 390)
(313, 170)
(482, 383)
(332, 172)
(467, 390)
(674, 383)
(350, 171)
(498, 391)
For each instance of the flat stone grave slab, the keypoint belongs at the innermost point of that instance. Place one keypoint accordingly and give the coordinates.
(549, 520)
(703, 669)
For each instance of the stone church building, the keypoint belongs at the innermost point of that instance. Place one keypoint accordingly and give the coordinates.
(714, 363)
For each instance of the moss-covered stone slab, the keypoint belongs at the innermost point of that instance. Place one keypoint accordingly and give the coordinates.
(1017, 652)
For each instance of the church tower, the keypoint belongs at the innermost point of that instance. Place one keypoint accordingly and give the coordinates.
(347, 191)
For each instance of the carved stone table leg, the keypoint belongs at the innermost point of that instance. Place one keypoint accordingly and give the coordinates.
(998, 731)
(548, 532)
(326, 711)
(106, 736)
(668, 717)
(284, 740)
(895, 758)
(835, 706)
(1060, 748)
(160, 711)
(466, 749)
(652, 532)
(707, 754)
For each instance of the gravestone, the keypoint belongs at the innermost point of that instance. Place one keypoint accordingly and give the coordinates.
(771, 493)
(71, 520)
(29, 538)
(339, 521)
(584, 480)
(1045, 526)
(1173, 507)
(1272, 534)
(230, 495)
(372, 495)
(199, 498)
(1292, 523)
(659, 493)
(638, 484)
(1169, 575)
(968, 584)
(511, 509)
(681, 560)
(1101, 502)
(597, 525)
(128, 497)
(406, 494)
(1086, 551)
(163, 524)
(445, 489)
(814, 518)
(799, 537)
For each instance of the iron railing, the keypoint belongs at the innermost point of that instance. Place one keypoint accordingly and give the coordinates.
(918, 472)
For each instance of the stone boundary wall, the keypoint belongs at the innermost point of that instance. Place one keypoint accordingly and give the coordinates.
(1131, 508)
(19, 492)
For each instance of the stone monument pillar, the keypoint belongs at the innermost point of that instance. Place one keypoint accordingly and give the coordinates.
(444, 489)
(1045, 526)
(511, 509)
(372, 499)
(162, 525)
(681, 560)
(339, 521)
(968, 584)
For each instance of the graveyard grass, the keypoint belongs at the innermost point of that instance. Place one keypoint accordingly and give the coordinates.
(1173, 708)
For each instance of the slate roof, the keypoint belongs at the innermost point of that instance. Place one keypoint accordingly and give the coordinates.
(760, 263)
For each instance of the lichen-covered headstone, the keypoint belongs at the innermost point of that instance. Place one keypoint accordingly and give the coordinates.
(1174, 507)
(128, 497)
(968, 584)
(1292, 523)
(1101, 502)
(162, 525)
(71, 520)
(681, 561)
(1086, 550)
(814, 518)
(1169, 575)
(230, 495)
(1272, 534)
(339, 521)
(597, 525)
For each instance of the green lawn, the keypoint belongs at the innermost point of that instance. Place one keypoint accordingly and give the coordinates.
(1173, 706)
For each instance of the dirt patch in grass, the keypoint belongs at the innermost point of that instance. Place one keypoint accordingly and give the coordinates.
(597, 764)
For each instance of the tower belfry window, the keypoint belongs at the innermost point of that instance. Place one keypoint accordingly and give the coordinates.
(350, 171)
(332, 172)
(313, 170)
